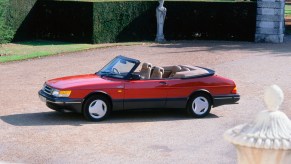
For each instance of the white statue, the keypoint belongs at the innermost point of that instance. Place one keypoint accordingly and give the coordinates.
(161, 14)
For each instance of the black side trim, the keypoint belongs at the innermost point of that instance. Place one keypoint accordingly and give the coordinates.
(144, 103)
(225, 99)
(176, 102)
(119, 104)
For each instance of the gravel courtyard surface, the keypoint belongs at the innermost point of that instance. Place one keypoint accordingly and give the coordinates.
(32, 133)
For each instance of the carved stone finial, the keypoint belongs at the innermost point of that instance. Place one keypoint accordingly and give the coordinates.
(271, 129)
(273, 97)
(267, 139)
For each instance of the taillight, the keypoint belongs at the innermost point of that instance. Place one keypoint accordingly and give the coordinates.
(234, 90)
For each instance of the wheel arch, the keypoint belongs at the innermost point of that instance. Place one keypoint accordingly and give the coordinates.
(204, 91)
(102, 93)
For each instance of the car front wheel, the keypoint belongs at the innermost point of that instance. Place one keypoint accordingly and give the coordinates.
(199, 105)
(96, 108)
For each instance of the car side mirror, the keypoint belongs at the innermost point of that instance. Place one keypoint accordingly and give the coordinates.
(135, 77)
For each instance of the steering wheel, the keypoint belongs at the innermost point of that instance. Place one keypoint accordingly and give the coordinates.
(115, 70)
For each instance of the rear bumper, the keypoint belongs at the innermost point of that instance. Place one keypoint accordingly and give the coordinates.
(61, 103)
(225, 99)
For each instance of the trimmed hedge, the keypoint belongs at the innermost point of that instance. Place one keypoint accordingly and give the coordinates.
(102, 22)
(124, 21)
(5, 32)
(13, 14)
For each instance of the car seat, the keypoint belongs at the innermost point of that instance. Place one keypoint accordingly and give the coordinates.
(157, 73)
(145, 71)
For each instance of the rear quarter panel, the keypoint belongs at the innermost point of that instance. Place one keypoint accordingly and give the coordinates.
(215, 84)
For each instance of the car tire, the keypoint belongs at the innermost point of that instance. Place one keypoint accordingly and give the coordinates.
(96, 108)
(199, 105)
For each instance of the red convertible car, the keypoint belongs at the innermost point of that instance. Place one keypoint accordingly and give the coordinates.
(118, 87)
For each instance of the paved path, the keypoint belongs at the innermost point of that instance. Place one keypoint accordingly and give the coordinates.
(32, 133)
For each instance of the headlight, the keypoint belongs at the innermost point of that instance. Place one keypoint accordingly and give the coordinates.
(59, 93)
(55, 92)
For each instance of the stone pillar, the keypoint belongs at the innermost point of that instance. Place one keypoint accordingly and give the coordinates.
(270, 21)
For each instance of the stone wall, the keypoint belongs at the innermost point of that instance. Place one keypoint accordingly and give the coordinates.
(270, 21)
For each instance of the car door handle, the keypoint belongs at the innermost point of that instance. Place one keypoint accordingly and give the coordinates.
(163, 83)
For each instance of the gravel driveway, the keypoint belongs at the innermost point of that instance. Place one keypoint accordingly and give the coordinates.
(32, 133)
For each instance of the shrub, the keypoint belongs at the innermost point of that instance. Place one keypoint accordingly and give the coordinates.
(6, 34)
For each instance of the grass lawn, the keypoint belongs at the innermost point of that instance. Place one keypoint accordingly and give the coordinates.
(288, 9)
(35, 49)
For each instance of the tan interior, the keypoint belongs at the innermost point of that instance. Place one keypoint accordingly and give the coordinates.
(157, 73)
(193, 71)
(167, 71)
(185, 69)
(182, 71)
(175, 71)
(145, 71)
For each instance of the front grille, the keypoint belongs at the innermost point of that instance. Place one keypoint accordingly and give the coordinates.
(47, 89)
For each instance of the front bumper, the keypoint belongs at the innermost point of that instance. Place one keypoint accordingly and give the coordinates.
(61, 103)
(225, 99)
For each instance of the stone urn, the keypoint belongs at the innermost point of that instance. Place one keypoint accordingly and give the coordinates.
(267, 139)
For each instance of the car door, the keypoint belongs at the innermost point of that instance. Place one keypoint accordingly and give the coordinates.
(145, 94)
(178, 91)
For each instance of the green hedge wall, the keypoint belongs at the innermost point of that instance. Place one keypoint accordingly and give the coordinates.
(124, 21)
(103, 22)
(20, 12)
(12, 15)
(5, 32)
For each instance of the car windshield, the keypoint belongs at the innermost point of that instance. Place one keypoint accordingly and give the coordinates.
(117, 68)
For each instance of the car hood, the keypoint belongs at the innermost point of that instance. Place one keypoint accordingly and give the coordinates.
(70, 82)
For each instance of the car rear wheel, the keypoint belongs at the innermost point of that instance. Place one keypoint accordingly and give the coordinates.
(199, 105)
(96, 108)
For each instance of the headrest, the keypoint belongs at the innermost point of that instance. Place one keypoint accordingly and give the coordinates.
(146, 65)
(176, 68)
(158, 69)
